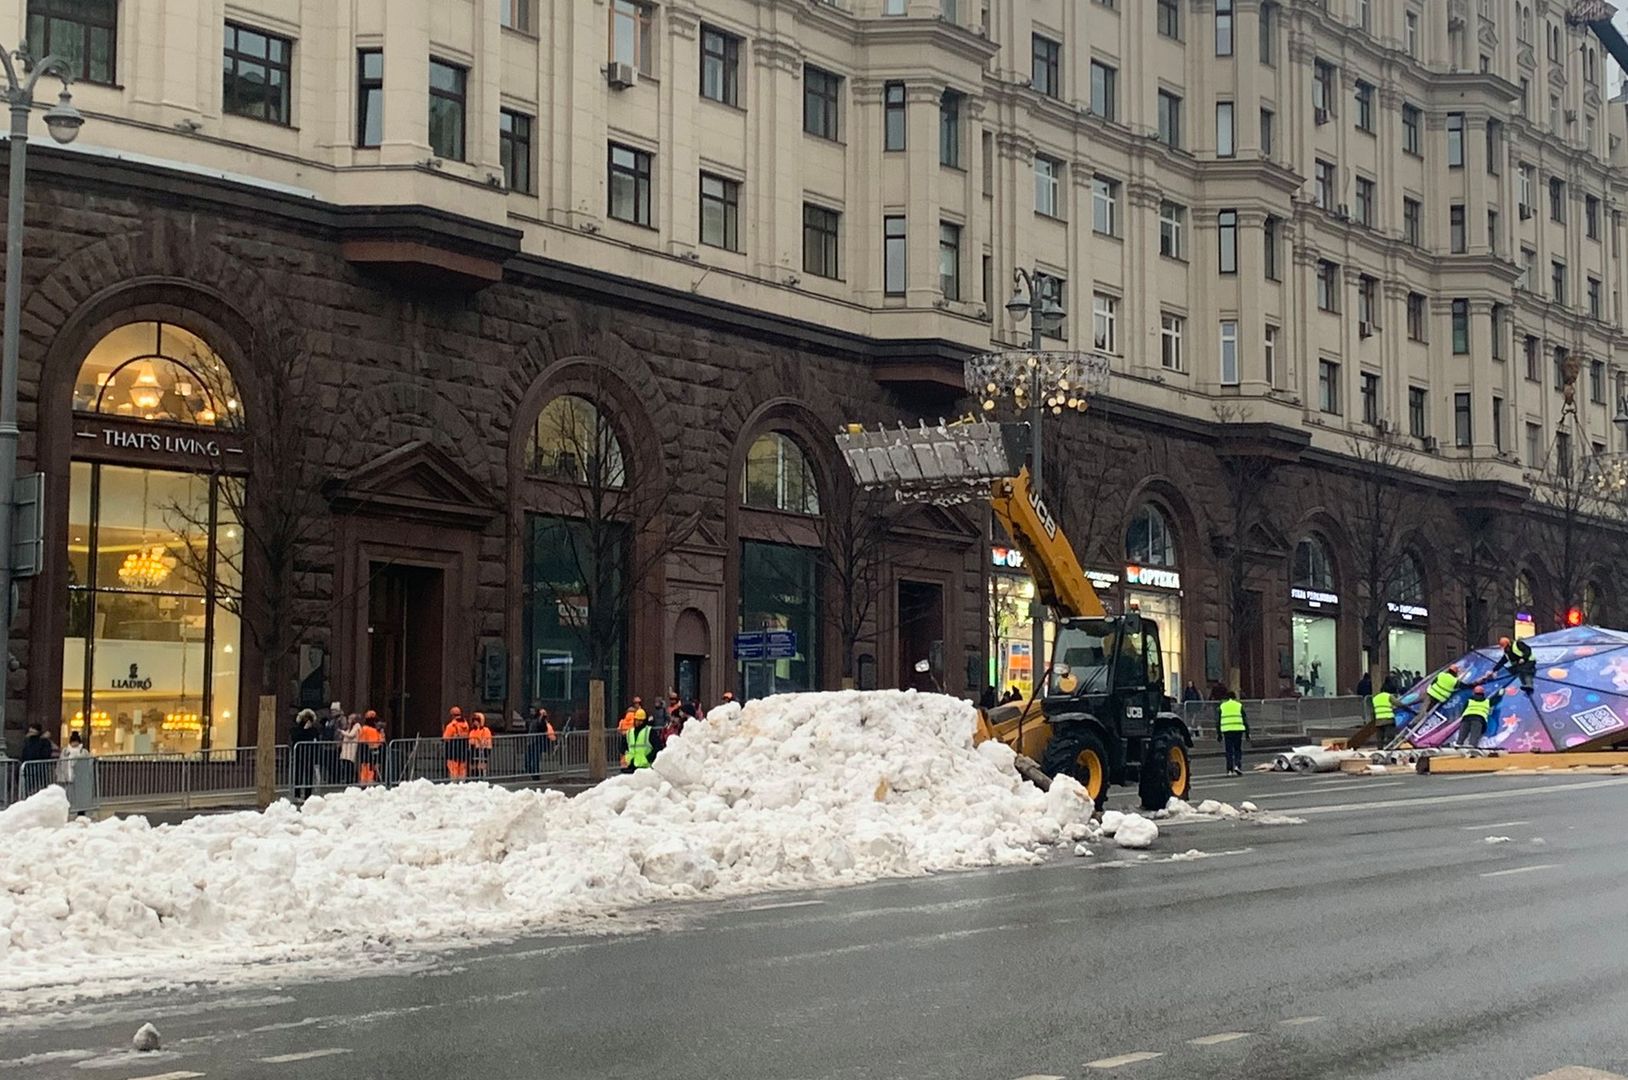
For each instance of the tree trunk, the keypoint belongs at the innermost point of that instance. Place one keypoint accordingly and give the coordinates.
(596, 729)
(265, 753)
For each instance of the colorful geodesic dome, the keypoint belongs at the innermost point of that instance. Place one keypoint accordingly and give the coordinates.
(1579, 699)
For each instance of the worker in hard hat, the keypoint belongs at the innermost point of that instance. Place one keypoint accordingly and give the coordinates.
(1520, 660)
(1473, 724)
(1442, 687)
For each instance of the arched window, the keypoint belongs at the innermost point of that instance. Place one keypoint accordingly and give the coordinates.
(1148, 541)
(1523, 593)
(1408, 586)
(1312, 568)
(778, 476)
(1593, 596)
(157, 371)
(575, 442)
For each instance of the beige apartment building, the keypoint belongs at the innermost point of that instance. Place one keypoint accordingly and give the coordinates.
(1297, 229)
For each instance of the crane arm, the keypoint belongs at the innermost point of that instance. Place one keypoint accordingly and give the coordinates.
(1059, 580)
(1596, 15)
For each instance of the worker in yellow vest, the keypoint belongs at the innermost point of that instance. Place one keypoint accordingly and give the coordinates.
(1384, 706)
(1472, 724)
(1233, 727)
(640, 750)
(1442, 687)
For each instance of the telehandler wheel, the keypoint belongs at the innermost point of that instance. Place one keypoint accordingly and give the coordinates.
(1166, 771)
(1080, 754)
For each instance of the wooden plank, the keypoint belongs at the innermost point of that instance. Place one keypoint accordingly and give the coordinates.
(1530, 762)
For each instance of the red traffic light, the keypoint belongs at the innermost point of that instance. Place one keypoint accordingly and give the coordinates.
(1574, 616)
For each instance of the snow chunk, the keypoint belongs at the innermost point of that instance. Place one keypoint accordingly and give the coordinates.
(146, 1039)
(1136, 831)
(45, 809)
(1178, 806)
(1209, 806)
(1111, 820)
(1497, 840)
(1249, 808)
(1081, 850)
(1187, 856)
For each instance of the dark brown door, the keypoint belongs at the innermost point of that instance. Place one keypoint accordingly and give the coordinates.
(921, 635)
(405, 616)
(1251, 648)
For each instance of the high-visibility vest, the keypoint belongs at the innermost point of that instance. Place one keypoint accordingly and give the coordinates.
(480, 738)
(1477, 707)
(638, 748)
(1232, 715)
(1443, 685)
(370, 735)
(455, 729)
(1384, 708)
(1520, 652)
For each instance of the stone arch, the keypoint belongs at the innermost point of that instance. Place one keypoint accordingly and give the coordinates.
(1322, 525)
(787, 395)
(797, 420)
(1178, 512)
(602, 383)
(391, 414)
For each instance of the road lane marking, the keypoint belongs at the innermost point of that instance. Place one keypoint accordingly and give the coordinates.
(1521, 870)
(787, 904)
(170, 1076)
(1494, 825)
(1122, 1059)
(1218, 1038)
(1470, 796)
(1042, 1076)
(1578, 1072)
(306, 1055)
(1300, 1021)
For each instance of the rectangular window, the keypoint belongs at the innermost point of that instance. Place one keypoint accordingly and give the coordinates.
(1529, 270)
(1104, 91)
(1267, 20)
(1172, 225)
(1171, 330)
(1322, 90)
(83, 33)
(258, 74)
(1416, 317)
(1596, 381)
(1456, 231)
(949, 128)
(893, 256)
(1170, 119)
(1525, 178)
(629, 185)
(369, 97)
(820, 241)
(1328, 286)
(1271, 354)
(1053, 289)
(449, 87)
(1324, 175)
(1367, 305)
(949, 260)
(1529, 351)
(514, 149)
(1168, 18)
(1270, 244)
(1224, 144)
(1105, 322)
(1410, 33)
(1455, 140)
(1417, 422)
(1411, 141)
(1461, 327)
(1463, 435)
(1493, 233)
(720, 212)
(1563, 453)
(515, 14)
(1223, 27)
(1226, 227)
(632, 34)
(1365, 107)
(720, 65)
(1365, 203)
(1557, 200)
(1268, 121)
(1048, 180)
(1046, 75)
(1591, 217)
(1328, 387)
(1370, 398)
(1413, 222)
(822, 91)
(1594, 298)
(1560, 356)
(1229, 352)
(1495, 147)
(1365, 15)
(1499, 315)
(1534, 445)
(893, 116)
(986, 154)
(1105, 206)
(1557, 281)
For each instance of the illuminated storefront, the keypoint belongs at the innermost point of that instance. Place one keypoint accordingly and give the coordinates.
(1315, 620)
(1153, 586)
(150, 660)
(1011, 595)
(1409, 626)
(1525, 624)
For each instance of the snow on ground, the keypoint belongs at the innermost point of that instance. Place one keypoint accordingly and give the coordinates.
(791, 792)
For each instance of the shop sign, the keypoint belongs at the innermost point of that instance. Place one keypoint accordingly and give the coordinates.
(1151, 578)
(1313, 597)
(1409, 612)
(159, 442)
(1102, 579)
(164, 444)
(1005, 558)
(135, 680)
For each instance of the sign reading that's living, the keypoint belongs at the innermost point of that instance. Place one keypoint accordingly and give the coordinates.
(156, 443)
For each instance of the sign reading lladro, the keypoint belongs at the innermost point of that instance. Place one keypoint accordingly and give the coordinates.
(172, 445)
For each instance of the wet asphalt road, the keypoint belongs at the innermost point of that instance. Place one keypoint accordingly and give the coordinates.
(1384, 937)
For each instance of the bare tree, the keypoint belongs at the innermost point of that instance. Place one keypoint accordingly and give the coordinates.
(1569, 518)
(855, 548)
(1247, 479)
(1377, 522)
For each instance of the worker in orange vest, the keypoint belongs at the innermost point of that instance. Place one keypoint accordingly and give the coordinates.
(456, 737)
(480, 746)
(634, 712)
(370, 739)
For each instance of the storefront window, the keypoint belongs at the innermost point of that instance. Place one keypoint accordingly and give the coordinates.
(780, 591)
(1315, 630)
(1409, 620)
(1154, 585)
(778, 476)
(150, 653)
(1525, 624)
(1148, 541)
(575, 442)
(1011, 665)
(559, 620)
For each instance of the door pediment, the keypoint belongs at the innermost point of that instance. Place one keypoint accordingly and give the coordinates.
(415, 482)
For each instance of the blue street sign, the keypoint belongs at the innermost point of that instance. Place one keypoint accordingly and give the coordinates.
(749, 646)
(780, 644)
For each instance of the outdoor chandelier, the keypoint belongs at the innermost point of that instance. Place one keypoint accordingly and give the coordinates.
(1055, 380)
(146, 568)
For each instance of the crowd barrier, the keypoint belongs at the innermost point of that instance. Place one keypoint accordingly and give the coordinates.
(1280, 718)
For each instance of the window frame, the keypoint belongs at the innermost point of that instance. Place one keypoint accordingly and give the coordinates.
(822, 100)
(1453, 131)
(1227, 368)
(1463, 420)
(1364, 94)
(1412, 122)
(1104, 78)
(1271, 245)
(50, 12)
(1169, 119)
(1227, 147)
(643, 18)
(1051, 180)
(1418, 318)
(1046, 58)
(510, 141)
(1226, 241)
(1105, 322)
(1172, 229)
(1368, 391)
(1418, 412)
(1225, 28)
(950, 235)
(891, 245)
(950, 112)
(1461, 326)
(459, 98)
(1167, 19)
(1172, 329)
(519, 17)
(1328, 286)
(641, 173)
(828, 241)
(725, 57)
(895, 108)
(233, 58)
(369, 91)
(1104, 205)
(1328, 387)
(727, 201)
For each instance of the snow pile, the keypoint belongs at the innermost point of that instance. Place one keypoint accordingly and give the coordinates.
(1136, 831)
(796, 791)
(1497, 840)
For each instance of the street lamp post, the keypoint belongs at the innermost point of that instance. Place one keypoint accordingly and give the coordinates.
(63, 121)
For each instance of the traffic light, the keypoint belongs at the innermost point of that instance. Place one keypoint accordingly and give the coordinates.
(1574, 616)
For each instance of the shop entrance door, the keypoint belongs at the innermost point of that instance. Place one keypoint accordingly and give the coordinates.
(921, 635)
(405, 613)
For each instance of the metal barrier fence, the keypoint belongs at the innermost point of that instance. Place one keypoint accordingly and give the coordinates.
(1280, 718)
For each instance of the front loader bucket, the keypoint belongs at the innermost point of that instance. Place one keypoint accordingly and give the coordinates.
(942, 463)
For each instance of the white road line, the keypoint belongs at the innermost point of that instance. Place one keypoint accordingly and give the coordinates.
(1494, 825)
(1577, 1072)
(787, 904)
(1218, 1038)
(170, 1076)
(307, 1055)
(1300, 1021)
(1521, 870)
(1469, 796)
(1042, 1076)
(1122, 1059)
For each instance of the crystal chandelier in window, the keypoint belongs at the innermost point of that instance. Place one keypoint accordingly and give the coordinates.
(146, 568)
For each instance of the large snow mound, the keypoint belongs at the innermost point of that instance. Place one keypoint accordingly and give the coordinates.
(792, 791)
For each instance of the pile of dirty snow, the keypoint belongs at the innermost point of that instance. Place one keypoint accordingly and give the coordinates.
(794, 791)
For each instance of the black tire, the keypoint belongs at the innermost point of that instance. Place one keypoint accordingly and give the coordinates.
(1070, 751)
(1165, 771)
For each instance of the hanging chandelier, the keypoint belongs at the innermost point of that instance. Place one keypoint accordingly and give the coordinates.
(146, 568)
(1061, 379)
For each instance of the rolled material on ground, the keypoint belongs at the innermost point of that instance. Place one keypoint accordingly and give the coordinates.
(1321, 761)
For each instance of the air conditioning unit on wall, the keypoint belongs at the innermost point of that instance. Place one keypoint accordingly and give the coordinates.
(621, 75)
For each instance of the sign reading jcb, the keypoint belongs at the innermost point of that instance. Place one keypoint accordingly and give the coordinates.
(1047, 522)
